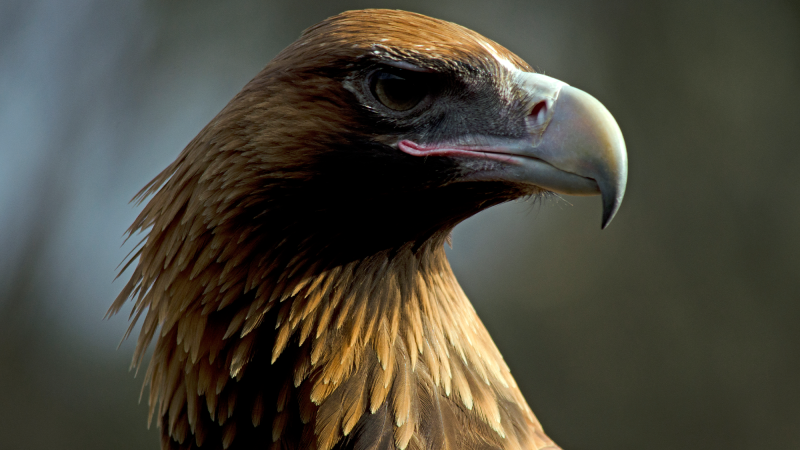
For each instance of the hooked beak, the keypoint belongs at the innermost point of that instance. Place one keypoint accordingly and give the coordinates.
(574, 146)
(582, 142)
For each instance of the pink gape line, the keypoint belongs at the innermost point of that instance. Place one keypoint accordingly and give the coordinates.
(494, 153)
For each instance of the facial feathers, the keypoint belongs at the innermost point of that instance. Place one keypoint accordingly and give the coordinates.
(292, 272)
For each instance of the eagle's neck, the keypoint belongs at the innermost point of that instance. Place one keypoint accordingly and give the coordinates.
(250, 351)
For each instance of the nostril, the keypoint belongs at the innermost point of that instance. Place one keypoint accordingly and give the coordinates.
(539, 112)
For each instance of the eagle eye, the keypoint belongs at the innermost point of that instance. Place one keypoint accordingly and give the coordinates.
(399, 90)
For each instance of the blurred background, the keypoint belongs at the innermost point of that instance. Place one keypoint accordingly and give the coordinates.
(677, 327)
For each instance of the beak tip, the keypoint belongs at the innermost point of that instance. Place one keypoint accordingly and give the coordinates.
(608, 215)
(612, 199)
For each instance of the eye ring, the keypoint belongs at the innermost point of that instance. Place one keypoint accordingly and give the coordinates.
(397, 89)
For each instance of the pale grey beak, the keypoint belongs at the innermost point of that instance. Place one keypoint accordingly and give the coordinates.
(583, 138)
(578, 140)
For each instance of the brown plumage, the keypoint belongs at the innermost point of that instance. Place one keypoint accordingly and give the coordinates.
(294, 275)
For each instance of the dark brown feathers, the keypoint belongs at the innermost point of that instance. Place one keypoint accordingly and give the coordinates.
(293, 275)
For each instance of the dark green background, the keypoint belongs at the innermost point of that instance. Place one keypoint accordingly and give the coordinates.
(677, 327)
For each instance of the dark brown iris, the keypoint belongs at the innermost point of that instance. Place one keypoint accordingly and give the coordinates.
(399, 90)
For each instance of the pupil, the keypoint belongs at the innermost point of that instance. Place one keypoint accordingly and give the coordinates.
(397, 92)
